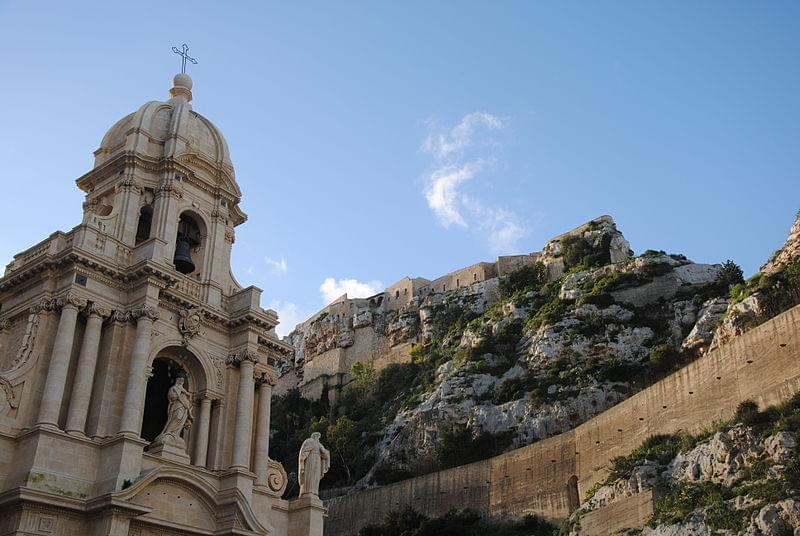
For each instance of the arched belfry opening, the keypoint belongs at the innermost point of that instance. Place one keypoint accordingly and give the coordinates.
(156, 402)
(145, 224)
(189, 244)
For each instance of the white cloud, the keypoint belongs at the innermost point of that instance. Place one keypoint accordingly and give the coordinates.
(502, 227)
(331, 288)
(443, 195)
(289, 315)
(279, 266)
(454, 142)
(459, 156)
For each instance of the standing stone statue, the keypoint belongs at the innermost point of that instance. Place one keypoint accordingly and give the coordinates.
(313, 462)
(179, 416)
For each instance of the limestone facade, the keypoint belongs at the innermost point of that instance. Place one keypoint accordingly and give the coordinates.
(97, 323)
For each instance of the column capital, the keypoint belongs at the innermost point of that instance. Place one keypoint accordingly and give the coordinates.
(265, 378)
(120, 317)
(169, 187)
(71, 300)
(244, 355)
(144, 311)
(94, 309)
(44, 305)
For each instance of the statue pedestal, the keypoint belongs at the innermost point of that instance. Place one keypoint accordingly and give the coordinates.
(306, 516)
(174, 453)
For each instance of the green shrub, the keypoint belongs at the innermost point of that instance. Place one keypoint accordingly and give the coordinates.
(525, 279)
(730, 275)
(663, 357)
(457, 445)
(747, 413)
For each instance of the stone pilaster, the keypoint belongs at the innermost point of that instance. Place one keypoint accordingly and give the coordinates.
(84, 374)
(59, 360)
(246, 360)
(261, 448)
(202, 429)
(137, 378)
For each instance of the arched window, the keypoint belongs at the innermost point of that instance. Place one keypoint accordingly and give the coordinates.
(188, 257)
(144, 225)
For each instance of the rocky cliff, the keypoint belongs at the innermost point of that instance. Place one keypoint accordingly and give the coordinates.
(512, 360)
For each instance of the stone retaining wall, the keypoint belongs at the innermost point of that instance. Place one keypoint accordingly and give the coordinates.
(762, 365)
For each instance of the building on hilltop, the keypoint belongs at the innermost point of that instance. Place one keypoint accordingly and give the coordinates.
(136, 372)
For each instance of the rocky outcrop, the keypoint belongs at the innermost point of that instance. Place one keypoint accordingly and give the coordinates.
(755, 302)
(558, 371)
(728, 459)
(788, 253)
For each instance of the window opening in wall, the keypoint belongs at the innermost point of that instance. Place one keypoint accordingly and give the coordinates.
(156, 401)
(397, 294)
(458, 282)
(474, 277)
(144, 225)
(189, 237)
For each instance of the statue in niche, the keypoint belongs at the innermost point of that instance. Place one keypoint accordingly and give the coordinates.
(313, 462)
(179, 416)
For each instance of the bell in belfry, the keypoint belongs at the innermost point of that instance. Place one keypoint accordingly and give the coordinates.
(183, 259)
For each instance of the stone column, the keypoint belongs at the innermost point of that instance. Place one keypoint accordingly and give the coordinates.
(165, 218)
(202, 430)
(137, 375)
(261, 449)
(59, 360)
(246, 359)
(84, 374)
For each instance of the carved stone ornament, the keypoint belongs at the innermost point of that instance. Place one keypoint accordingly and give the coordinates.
(276, 477)
(71, 299)
(230, 236)
(121, 317)
(145, 311)
(4, 324)
(11, 398)
(190, 322)
(265, 377)
(169, 187)
(96, 310)
(245, 355)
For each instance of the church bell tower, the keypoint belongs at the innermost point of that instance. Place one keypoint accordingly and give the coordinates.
(136, 373)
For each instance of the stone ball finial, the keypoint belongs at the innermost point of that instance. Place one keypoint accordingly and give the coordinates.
(182, 80)
(181, 88)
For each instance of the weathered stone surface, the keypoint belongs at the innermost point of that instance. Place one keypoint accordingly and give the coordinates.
(789, 252)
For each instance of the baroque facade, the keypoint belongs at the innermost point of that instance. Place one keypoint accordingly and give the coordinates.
(135, 372)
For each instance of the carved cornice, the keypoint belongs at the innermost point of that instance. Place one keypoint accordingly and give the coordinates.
(144, 311)
(244, 355)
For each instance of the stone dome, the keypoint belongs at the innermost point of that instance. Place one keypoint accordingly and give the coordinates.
(166, 130)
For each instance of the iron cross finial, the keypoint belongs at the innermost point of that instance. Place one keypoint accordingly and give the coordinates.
(183, 53)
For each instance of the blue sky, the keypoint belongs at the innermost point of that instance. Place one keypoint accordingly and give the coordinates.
(374, 140)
